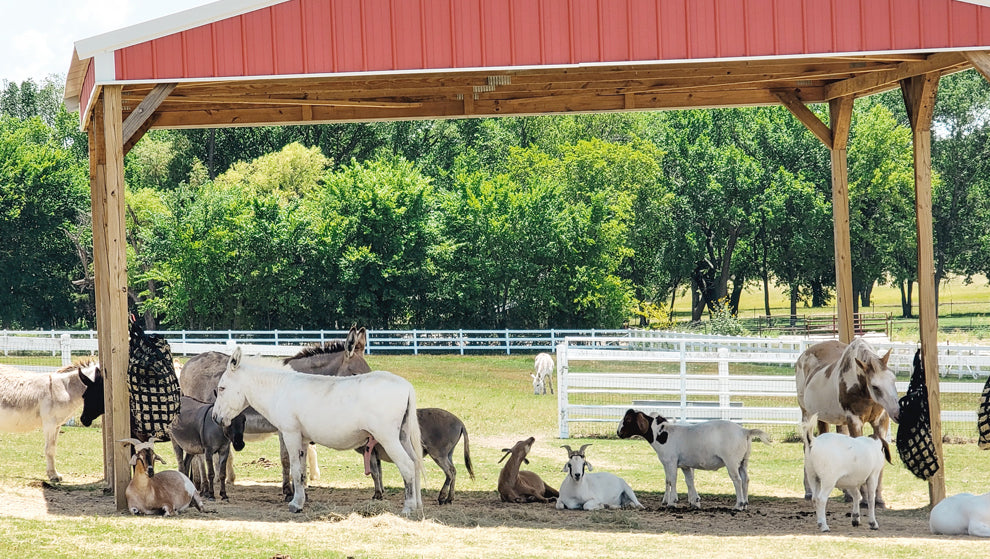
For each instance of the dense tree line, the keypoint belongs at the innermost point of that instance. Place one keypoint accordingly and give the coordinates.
(563, 221)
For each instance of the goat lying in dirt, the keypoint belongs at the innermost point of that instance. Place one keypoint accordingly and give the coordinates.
(962, 514)
(168, 492)
(706, 446)
(522, 486)
(592, 491)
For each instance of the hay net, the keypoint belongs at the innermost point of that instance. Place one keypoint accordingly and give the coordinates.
(914, 434)
(152, 385)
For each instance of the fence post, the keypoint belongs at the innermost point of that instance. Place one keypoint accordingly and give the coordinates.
(562, 388)
(415, 343)
(6, 342)
(683, 380)
(508, 350)
(724, 398)
(66, 344)
(460, 340)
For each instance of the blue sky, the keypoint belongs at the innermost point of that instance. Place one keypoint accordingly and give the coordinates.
(36, 36)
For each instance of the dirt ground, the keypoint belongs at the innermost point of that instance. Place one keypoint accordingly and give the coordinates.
(253, 502)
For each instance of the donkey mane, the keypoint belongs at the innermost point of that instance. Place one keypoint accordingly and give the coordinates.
(319, 349)
(82, 363)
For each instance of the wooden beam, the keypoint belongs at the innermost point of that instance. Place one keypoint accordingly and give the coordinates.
(114, 355)
(919, 97)
(227, 100)
(840, 117)
(888, 79)
(980, 60)
(806, 116)
(144, 110)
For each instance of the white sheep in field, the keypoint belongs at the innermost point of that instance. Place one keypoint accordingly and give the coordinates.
(962, 514)
(592, 491)
(544, 371)
(850, 463)
(168, 492)
(709, 445)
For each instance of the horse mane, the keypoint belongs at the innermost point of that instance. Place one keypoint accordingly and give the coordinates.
(82, 363)
(318, 349)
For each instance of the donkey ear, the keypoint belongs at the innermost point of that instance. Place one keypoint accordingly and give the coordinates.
(861, 365)
(235, 359)
(85, 380)
(885, 358)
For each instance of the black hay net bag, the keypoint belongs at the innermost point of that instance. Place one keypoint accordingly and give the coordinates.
(983, 417)
(914, 432)
(152, 384)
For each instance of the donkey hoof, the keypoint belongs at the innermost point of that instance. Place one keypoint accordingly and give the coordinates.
(874, 526)
(294, 508)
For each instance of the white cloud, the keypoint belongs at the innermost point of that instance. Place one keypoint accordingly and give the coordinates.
(36, 36)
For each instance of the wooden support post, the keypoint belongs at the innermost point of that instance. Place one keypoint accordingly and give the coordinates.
(919, 98)
(840, 118)
(109, 246)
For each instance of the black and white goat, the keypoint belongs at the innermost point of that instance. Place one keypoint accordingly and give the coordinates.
(709, 445)
(592, 491)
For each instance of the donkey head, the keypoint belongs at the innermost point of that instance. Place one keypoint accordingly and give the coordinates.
(93, 404)
(880, 382)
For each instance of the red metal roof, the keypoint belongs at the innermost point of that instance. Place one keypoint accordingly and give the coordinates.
(319, 37)
(333, 36)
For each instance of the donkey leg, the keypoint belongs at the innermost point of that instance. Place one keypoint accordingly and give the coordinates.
(51, 429)
(210, 473)
(375, 467)
(297, 457)
(224, 455)
(287, 484)
(407, 468)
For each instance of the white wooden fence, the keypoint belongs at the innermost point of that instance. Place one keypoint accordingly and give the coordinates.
(675, 395)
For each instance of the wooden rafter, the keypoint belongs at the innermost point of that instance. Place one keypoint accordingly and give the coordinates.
(135, 121)
(806, 116)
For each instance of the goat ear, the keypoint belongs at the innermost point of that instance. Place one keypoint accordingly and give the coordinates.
(526, 461)
(567, 467)
(159, 459)
(589, 466)
(506, 455)
(134, 460)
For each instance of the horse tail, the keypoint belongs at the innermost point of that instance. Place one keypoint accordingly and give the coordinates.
(467, 452)
(410, 426)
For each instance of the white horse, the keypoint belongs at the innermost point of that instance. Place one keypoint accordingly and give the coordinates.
(847, 386)
(544, 370)
(31, 400)
(342, 413)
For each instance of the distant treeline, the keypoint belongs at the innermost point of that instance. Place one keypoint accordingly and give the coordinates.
(556, 221)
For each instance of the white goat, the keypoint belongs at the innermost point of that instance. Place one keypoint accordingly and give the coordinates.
(544, 369)
(168, 492)
(593, 491)
(962, 514)
(706, 446)
(837, 460)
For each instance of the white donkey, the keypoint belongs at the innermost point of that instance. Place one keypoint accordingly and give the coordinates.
(342, 413)
(544, 370)
(31, 400)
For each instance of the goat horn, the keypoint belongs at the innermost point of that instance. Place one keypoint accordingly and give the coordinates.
(568, 447)
(584, 446)
(133, 442)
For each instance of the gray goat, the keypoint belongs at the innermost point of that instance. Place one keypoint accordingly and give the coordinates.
(194, 432)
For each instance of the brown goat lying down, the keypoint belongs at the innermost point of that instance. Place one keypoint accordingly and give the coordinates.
(522, 486)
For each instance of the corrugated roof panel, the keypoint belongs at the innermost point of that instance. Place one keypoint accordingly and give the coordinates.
(437, 40)
(847, 26)
(287, 42)
(408, 35)
(197, 52)
(525, 32)
(789, 23)
(229, 47)
(555, 31)
(346, 32)
(818, 26)
(673, 33)
(965, 23)
(614, 24)
(317, 37)
(467, 33)
(701, 37)
(906, 25)
(935, 24)
(377, 35)
(876, 18)
(644, 29)
(168, 56)
(584, 29)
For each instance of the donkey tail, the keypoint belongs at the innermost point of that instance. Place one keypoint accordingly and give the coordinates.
(760, 434)
(410, 425)
(467, 453)
(808, 432)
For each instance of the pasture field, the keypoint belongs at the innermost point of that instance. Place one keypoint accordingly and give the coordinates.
(493, 395)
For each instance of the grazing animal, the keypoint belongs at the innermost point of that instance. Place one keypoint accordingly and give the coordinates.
(592, 491)
(962, 514)
(440, 430)
(542, 377)
(837, 460)
(338, 412)
(195, 433)
(522, 486)
(848, 386)
(201, 374)
(168, 492)
(31, 400)
(709, 445)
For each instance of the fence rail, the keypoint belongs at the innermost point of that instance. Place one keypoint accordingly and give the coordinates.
(689, 397)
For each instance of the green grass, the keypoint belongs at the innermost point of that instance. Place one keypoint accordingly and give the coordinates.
(492, 394)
